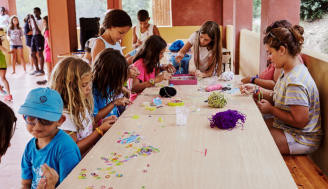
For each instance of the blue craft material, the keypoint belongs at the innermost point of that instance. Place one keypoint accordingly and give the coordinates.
(157, 101)
(132, 138)
(183, 69)
(176, 46)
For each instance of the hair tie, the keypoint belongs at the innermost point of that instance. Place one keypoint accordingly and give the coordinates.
(167, 91)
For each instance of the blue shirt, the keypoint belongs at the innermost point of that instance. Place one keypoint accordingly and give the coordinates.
(100, 103)
(61, 154)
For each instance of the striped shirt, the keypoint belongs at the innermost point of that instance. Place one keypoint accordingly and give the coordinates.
(297, 87)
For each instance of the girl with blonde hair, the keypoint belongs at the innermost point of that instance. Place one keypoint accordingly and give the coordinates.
(72, 78)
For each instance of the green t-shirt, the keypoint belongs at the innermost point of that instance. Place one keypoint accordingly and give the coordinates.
(2, 60)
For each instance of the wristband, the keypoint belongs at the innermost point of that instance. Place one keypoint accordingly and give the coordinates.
(99, 131)
(253, 79)
(152, 81)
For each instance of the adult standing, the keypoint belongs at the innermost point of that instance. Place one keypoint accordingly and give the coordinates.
(37, 45)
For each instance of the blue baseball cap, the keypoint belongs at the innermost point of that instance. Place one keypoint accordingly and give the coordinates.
(44, 103)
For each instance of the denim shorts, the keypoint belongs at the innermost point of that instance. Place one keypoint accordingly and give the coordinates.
(16, 47)
(297, 148)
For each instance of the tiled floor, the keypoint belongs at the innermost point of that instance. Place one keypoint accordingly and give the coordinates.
(20, 83)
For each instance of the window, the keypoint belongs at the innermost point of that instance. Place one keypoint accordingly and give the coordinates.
(90, 8)
(24, 7)
(162, 12)
(159, 10)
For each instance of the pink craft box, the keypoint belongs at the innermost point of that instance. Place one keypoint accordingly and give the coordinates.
(183, 79)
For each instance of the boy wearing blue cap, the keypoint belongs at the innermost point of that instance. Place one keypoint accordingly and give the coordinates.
(42, 112)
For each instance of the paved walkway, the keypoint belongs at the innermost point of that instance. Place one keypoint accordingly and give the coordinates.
(20, 84)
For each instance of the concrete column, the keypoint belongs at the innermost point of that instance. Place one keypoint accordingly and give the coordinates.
(114, 4)
(62, 27)
(273, 10)
(227, 12)
(243, 18)
(10, 6)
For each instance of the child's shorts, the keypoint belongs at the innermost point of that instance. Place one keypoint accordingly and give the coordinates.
(297, 148)
(37, 43)
(16, 47)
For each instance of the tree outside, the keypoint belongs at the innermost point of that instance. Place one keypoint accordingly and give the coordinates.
(132, 7)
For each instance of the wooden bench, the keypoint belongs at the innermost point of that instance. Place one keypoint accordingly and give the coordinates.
(306, 174)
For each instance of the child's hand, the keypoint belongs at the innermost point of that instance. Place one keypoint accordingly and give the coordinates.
(246, 80)
(122, 102)
(49, 178)
(247, 89)
(126, 92)
(169, 68)
(198, 73)
(133, 72)
(264, 106)
(111, 119)
(105, 126)
(179, 57)
(139, 43)
(159, 78)
(166, 75)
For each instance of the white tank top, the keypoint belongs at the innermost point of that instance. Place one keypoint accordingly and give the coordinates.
(117, 46)
(143, 36)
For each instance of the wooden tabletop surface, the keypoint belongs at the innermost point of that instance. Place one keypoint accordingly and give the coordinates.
(146, 149)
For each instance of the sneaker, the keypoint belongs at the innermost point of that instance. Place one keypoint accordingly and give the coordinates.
(35, 72)
(9, 98)
(40, 73)
(42, 82)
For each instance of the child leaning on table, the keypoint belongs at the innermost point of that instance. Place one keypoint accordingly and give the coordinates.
(147, 62)
(206, 59)
(110, 72)
(72, 78)
(43, 114)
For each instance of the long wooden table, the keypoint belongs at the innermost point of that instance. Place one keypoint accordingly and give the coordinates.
(191, 156)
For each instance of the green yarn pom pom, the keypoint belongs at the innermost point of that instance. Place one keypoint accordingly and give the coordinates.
(217, 100)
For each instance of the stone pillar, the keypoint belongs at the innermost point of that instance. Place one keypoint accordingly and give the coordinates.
(243, 18)
(62, 27)
(114, 4)
(227, 17)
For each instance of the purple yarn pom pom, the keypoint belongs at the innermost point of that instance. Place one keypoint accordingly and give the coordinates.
(227, 119)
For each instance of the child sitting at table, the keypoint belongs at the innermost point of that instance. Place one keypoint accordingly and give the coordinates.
(268, 78)
(140, 33)
(7, 129)
(72, 78)
(147, 62)
(294, 103)
(206, 59)
(110, 72)
(42, 112)
(115, 25)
